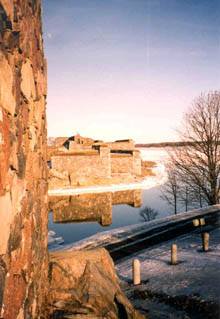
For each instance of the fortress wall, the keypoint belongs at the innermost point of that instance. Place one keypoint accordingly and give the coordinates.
(84, 140)
(126, 163)
(121, 145)
(74, 146)
(23, 185)
(137, 162)
(59, 141)
(82, 167)
(104, 153)
(122, 163)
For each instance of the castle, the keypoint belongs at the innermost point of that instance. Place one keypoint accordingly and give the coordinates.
(78, 160)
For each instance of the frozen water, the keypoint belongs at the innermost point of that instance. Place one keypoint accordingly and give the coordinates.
(54, 241)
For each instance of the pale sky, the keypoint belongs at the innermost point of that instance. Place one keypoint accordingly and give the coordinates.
(122, 69)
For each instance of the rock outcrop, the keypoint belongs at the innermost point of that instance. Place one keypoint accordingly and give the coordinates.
(83, 284)
(23, 173)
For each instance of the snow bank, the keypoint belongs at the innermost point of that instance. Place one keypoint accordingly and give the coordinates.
(147, 183)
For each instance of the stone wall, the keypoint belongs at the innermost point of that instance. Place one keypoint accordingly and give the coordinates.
(137, 162)
(128, 162)
(122, 164)
(83, 166)
(59, 141)
(23, 185)
(76, 159)
(121, 145)
(91, 166)
(78, 141)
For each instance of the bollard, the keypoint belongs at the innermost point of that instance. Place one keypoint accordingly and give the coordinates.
(174, 259)
(205, 241)
(195, 222)
(136, 272)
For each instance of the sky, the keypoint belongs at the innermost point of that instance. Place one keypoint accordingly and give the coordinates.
(121, 69)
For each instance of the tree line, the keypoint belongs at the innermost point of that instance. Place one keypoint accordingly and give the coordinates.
(193, 168)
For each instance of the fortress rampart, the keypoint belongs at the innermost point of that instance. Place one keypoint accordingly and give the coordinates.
(82, 166)
(85, 162)
(121, 145)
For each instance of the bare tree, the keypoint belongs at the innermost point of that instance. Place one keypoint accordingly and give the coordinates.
(185, 196)
(197, 164)
(178, 192)
(171, 189)
(147, 213)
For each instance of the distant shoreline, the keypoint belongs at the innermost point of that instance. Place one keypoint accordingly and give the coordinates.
(163, 144)
(167, 144)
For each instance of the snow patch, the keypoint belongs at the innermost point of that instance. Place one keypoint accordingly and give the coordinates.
(54, 241)
(147, 183)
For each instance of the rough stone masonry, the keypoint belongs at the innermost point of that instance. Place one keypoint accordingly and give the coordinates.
(23, 180)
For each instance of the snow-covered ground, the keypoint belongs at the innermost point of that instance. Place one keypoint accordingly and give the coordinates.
(147, 183)
(196, 276)
(158, 155)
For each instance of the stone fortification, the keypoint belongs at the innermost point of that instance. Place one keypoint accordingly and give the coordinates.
(126, 163)
(121, 163)
(23, 185)
(78, 142)
(83, 161)
(82, 166)
(59, 141)
(126, 145)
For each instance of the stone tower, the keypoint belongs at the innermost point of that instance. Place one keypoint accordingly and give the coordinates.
(23, 184)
